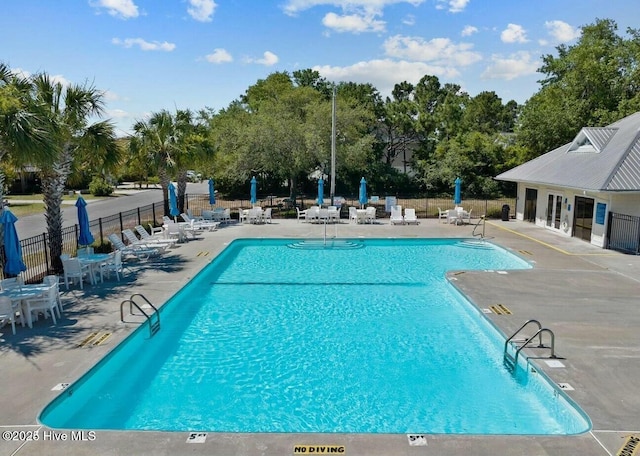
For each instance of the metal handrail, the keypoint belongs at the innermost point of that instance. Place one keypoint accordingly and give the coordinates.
(539, 333)
(483, 221)
(153, 327)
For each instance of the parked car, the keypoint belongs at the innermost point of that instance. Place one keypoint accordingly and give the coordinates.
(192, 176)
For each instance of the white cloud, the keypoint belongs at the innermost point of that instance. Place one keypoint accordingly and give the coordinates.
(124, 9)
(469, 30)
(384, 74)
(514, 33)
(441, 51)
(453, 6)
(268, 59)
(354, 23)
(293, 7)
(201, 10)
(561, 32)
(218, 56)
(410, 19)
(508, 68)
(144, 45)
(118, 114)
(110, 96)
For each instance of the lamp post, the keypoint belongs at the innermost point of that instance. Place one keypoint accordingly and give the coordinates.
(332, 191)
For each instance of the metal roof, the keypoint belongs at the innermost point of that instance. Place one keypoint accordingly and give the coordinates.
(612, 164)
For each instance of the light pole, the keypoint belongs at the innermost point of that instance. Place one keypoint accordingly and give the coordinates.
(332, 191)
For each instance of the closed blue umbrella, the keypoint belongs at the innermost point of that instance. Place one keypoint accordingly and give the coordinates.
(85, 237)
(212, 192)
(13, 265)
(321, 191)
(254, 183)
(362, 196)
(457, 197)
(173, 201)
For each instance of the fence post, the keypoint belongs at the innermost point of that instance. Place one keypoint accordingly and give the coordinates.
(101, 232)
(47, 252)
(139, 220)
(121, 224)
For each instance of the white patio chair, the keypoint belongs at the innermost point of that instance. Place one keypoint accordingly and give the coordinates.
(155, 231)
(175, 231)
(113, 264)
(323, 215)
(311, 215)
(353, 214)
(54, 280)
(133, 240)
(334, 214)
(12, 282)
(266, 216)
(47, 304)
(140, 252)
(301, 215)
(370, 215)
(396, 216)
(443, 215)
(151, 239)
(242, 215)
(74, 270)
(410, 216)
(7, 313)
(226, 216)
(199, 224)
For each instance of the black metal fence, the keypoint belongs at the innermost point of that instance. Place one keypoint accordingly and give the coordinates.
(623, 233)
(37, 255)
(424, 207)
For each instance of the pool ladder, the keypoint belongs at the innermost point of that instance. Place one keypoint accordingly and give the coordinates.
(483, 222)
(511, 361)
(154, 324)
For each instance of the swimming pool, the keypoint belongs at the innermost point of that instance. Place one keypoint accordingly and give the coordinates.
(366, 336)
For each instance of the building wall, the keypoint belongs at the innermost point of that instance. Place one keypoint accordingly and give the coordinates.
(623, 203)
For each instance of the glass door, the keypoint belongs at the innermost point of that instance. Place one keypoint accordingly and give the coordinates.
(530, 203)
(554, 210)
(583, 218)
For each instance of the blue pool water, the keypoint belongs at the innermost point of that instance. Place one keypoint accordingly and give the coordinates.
(290, 336)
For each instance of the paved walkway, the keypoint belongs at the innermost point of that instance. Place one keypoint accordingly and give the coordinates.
(587, 296)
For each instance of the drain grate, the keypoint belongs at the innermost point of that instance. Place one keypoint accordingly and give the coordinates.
(500, 309)
(94, 339)
(630, 447)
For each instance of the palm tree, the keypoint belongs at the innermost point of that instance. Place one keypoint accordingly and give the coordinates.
(76, 140)
(171, 143)
(156, 138)
(25, 134)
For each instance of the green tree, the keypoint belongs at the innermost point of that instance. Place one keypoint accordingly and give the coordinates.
(77, 140)
(158, 140)
(591, 83)
(25, 132)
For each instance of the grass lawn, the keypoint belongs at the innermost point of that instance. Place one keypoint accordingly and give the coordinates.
(21, 205)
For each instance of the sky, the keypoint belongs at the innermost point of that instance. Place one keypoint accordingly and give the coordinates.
(150, 55)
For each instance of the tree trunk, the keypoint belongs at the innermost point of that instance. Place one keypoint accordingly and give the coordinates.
(164, 184)
(182, 189)
(53, 184)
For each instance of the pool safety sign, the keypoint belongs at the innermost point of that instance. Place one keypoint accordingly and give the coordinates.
(319, 449)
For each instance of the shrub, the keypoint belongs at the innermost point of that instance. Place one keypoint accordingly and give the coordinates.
(100, 187)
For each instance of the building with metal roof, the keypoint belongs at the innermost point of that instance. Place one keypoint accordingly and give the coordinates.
(579, 187)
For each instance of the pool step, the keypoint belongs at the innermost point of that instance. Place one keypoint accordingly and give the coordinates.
(473, 244)
(319, 244)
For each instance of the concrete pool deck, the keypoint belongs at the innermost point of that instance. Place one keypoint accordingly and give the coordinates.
(589, 297)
